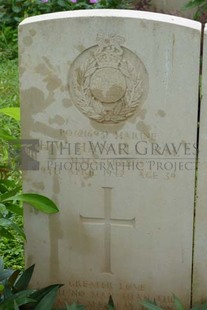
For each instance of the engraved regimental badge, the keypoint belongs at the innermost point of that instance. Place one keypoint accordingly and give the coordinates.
(108, 82)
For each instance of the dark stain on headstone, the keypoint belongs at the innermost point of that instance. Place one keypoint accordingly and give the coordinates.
(27, 40)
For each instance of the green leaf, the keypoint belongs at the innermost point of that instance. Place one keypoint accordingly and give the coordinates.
(193, 4)
(5, 222)
(177, 303)
(21, 298)
(5, 233)
(16, 9)
(13, 277)
(61, 3)
(7, 291)
(48, 300)
(111, 305)
(5, 274)
(14, 208)
(15, 306)
(8, 183)
(150, 305)
(3, 209)
(1, 264)
(5, 135)
(9, 223)
(18, 230)
(9, 194)
(39, 202)
(23, 281)
(1, 288)
(12, 112)
(38, 295)
(3, 187)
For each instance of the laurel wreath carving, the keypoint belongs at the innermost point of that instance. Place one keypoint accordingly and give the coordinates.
(94, 109)
(108, 53)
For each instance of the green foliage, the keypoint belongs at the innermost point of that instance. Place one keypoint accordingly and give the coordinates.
(11, 197)
(12, 12)
(201, 9)
(113, 4)
(12, 249)
(39, 202)
(12, 112)
(9, 89)
(14, 291)
(8, 42)
(150, 305)
(111, 305)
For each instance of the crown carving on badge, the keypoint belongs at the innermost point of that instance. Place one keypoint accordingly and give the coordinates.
(109, 51)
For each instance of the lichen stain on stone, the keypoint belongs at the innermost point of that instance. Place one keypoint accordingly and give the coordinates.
(42, 69)
(89, 175)
(33, 100)
(142, 113)
(55, 234)
(49, 72)
(63, 88)
(144, 129)
(66, 103)
(57, 120)
(47, 130)
(39, 185)
(112, 128)
(161, 113)
(48, 63)
(53, 82)
(56, 185)
(32, 32)
(80, 48)
(27, 40)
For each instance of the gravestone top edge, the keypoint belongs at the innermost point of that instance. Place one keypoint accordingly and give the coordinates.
(156, 17)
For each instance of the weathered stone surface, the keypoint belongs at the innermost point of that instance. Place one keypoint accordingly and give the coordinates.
(112, 97)
(200, 242)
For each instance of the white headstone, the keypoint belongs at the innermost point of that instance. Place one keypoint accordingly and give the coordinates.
(200, 243)
(112, 98)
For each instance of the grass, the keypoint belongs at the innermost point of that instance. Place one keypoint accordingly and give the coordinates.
(10, 250)
(9, 87)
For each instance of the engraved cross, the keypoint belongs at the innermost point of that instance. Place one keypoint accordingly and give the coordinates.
(107, 221)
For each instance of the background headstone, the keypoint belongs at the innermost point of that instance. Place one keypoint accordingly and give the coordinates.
(112, 98)
(176, 7)
(200, 242)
